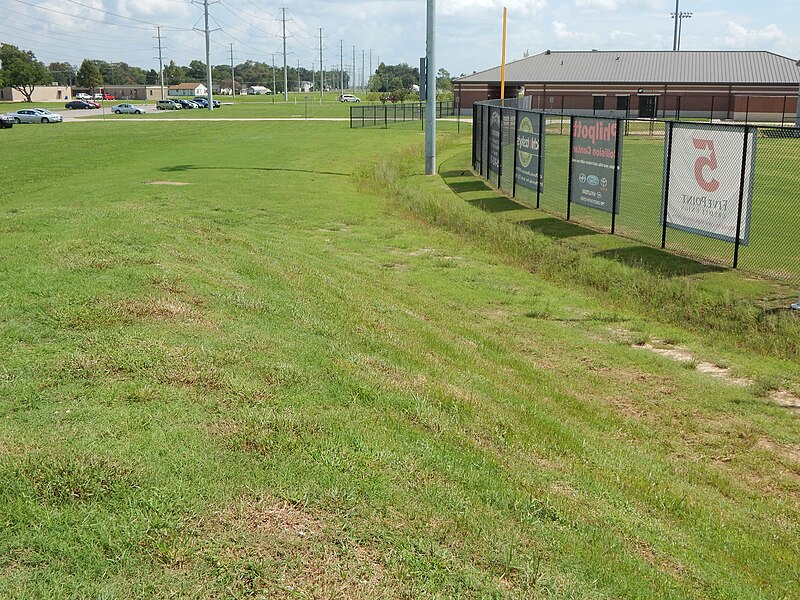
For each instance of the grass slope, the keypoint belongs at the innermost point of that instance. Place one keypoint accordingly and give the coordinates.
(271, 382)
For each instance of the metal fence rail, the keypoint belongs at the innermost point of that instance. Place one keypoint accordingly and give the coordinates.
(745, 212)
(381, 115)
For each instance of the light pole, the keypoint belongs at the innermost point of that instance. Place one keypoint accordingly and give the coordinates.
(675, 35)
(681, 17)
(430, 89)
(678, 16)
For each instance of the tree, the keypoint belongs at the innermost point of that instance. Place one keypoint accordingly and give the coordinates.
(196, 71)
(89, 75)
(173, 74)
(21, 70)
(62, 73)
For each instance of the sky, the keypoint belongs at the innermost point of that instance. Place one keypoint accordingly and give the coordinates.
(468, 32)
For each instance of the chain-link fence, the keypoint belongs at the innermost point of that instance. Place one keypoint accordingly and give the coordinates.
(381, 115)
(721, 194)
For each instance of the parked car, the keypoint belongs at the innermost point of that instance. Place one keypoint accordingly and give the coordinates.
(349, 98)
(127, 109)
(216, 103)
(29, 115)
(109, 97)
(167, 105)
(98, 97)
(80, 104)
(187, 103)
(6, 122)
(82, 96)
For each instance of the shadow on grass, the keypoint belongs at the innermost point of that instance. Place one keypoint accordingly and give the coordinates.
(495, 204)
(556, 228)
(658, 261)
(182, 168)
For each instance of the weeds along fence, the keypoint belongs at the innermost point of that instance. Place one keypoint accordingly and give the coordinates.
(720, 194)
(381, 115)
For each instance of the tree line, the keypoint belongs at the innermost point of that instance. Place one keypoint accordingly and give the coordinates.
(22, 71)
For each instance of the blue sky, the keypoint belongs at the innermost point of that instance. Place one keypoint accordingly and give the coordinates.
(469, 31)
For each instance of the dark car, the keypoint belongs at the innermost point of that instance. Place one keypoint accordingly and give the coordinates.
(204, 102)
(80, 104)
(186, 103)
(6, 122)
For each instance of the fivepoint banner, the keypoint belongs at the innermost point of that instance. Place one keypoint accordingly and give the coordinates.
(530, 146)
(706, 180)
(596, 154)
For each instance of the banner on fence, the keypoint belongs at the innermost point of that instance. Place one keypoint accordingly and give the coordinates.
(495, 119)
(707, 181)
(596, 152)
(530, 147)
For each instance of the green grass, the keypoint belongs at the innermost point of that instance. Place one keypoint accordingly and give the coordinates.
(283, 380)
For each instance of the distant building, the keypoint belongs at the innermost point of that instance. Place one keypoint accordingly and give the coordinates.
(42, 93)
(187, 89)
(756, 85)
(134, 92)
(258, 90)
(306, 86)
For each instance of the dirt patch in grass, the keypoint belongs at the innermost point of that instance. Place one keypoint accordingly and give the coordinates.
(791, 452)
(164, 308)
(273, 548)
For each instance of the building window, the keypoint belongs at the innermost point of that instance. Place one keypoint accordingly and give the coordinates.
(599, 102)
(622, 102)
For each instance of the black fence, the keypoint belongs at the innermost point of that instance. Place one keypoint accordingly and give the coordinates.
(381, 115)
(721, 194)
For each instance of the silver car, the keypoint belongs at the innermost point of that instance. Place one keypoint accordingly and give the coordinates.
(35, 115)
(127, 109)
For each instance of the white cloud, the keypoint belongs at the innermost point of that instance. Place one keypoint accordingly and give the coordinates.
(561, 32)
(738, 36)
(515, 7)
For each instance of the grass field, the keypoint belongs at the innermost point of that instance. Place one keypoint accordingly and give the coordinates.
(246, 363)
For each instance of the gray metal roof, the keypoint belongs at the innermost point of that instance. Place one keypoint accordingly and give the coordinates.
(704, 67)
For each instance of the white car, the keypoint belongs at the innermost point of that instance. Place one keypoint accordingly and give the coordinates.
(35, 115)
(349, 98)
(82, 96)
(127, 109)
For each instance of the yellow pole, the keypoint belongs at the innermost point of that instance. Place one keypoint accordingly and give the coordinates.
(503, 61)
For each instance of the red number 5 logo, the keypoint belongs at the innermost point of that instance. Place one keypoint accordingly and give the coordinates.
(710, 161)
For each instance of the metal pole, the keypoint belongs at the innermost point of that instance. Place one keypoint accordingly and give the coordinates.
(797, 118)
(741, 199)
(668, 170)
(233, 79)
(675, 35)
(430, 100)
(285, 69)
(274, 91)
(503, 59)
(208, 59)
(160, 61)
(321, 68)
(341, 66)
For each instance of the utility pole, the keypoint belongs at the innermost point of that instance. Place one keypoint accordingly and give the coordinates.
(341, 66)
(298, 76)
(160, 60)
(321, 68)
(233, 79)
(285, 71)
(354, 70)
(430, 86)
(274, 90)
(208, 58)
(369, 75)
(362, 69)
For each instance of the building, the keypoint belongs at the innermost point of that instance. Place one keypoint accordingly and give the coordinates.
(134, 92)
(740, 85)
(41, 93)
(187, 89)
(258, 90)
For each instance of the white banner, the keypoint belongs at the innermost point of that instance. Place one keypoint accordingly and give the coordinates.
(705, 180)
